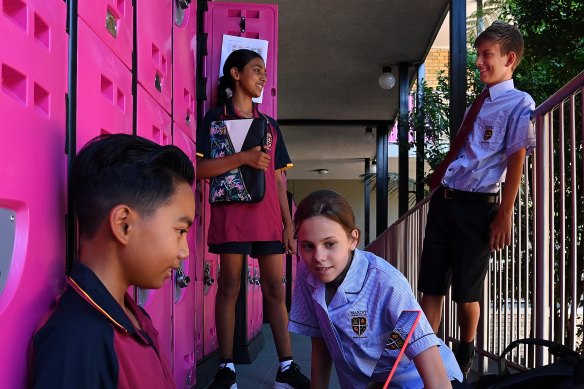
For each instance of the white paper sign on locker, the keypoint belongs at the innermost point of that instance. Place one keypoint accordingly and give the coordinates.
(232, 43)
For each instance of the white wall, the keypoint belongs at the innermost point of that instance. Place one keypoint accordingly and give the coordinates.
(353, 191)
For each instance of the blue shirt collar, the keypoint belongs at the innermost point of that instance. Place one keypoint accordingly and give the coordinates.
(499, 89)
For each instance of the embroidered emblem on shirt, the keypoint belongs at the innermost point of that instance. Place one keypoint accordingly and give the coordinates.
(359, 324)
(395, 341)
(488, 133)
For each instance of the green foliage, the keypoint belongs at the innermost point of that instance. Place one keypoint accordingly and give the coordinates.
(392, 185)
(554, 54)
(554, 43)
(429, 117)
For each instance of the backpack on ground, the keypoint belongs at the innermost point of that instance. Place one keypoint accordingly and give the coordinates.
(566, 372)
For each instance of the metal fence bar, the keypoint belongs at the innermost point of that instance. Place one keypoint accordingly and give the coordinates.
(534, 287)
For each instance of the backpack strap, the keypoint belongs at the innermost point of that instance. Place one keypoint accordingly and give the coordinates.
(556, 349)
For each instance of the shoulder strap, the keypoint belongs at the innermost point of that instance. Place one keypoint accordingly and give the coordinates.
(266, 140)
(556, 349)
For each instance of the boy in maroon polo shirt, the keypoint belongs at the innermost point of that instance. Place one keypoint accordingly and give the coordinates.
(135, 205)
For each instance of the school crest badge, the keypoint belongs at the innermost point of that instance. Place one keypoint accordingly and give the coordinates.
(359, 324)
(488, 133)
(395, 341)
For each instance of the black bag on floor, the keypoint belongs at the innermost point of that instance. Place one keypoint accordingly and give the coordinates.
(566, 372)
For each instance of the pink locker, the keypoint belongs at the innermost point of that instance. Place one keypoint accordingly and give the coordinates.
(255, 21)
(185, 298)
(33, 77)
(184, 46)
(153, 121)
(253, 283)
(158, 304)
(199, 280)
(154, 41)
(211, 269)
(104, 89)
(154, 124)
(258, 311)
(112, 21)
(284, 272)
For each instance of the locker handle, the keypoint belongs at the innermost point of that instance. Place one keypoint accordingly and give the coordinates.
(242, 24)
(184, 4)
(207, 279)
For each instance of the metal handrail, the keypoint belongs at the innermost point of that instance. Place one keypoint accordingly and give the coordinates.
(561, 94)
(522, 290)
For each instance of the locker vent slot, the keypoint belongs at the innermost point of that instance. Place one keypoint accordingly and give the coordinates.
(16, 11)
(234, 13)
(41, 98)
(107, 88)
(14, 84)
(121, 100)
(41, 31)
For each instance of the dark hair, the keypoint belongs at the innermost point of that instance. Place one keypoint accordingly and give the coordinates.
(237, 59)
(124, 169)
(329, 204)
(507, 36)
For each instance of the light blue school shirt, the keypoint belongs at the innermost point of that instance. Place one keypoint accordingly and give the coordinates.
(503, 126)
(378, 292)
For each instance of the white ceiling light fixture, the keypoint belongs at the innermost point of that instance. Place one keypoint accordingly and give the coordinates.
(322, 171)
(368, 136)
(387, 79)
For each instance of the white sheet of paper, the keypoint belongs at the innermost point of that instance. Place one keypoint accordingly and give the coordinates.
(232, 43)
(237, 130)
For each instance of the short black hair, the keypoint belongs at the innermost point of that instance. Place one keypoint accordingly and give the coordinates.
(124, 169)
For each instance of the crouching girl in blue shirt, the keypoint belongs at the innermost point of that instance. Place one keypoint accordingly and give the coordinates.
(338, 286)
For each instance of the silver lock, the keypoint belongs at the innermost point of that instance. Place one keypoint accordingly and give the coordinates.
(182, 280)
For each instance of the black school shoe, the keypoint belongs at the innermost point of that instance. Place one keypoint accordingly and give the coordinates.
(291, 378)
(465, 361)
(224, 379)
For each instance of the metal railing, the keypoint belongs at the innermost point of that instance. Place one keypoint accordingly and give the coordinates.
(534, 287)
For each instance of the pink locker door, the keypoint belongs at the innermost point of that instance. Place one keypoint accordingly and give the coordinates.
(154, 36)
(199, 280)
(258, 302)
(284, 273)
(253, 280)
(104, 89)
(112, 21)
(211, 269)
(33, 77)
(184, 48)
(154, 123)
(185, 298)
(255, 21)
